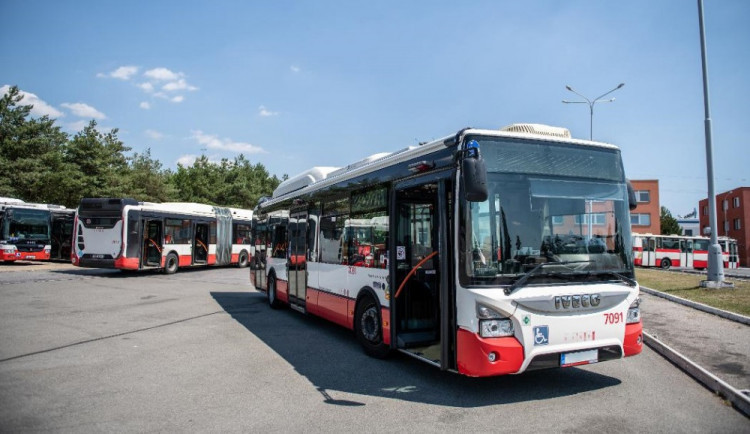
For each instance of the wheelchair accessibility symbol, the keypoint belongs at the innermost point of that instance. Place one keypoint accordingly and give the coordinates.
(541, 335)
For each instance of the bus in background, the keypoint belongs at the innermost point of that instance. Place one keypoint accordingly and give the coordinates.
(126, 234)
(488, 252)
(28, 230)
(666, 251)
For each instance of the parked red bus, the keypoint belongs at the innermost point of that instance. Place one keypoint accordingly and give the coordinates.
(34, 231)
(130, 235)
(668, 251)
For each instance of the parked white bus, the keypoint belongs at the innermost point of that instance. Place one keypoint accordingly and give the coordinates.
(488, 252)
(126, 234)
(681, 251)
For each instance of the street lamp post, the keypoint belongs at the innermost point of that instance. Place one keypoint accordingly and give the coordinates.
(715, 266)
(591, 105)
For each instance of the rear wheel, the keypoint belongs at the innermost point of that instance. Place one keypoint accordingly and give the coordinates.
(368, 328)
(242, 262)
(272, 300)
(666, 263)
(172, 264)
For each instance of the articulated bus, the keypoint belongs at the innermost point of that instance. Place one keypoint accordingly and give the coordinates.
(34, 231)
(485, 253)
(129, 235)
(668, 251)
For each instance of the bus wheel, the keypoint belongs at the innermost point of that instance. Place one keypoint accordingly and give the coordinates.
(368, 328)
(172, 264)
(666, 263)
(242, 261)
(272, 300)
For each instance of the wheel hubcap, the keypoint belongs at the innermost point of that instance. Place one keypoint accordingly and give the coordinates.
(370, 326)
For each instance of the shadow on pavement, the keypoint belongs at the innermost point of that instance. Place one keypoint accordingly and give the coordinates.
(330, 357)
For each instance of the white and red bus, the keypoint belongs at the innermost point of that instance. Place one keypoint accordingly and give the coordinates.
(34, 231)
(680, 251)
(130, 235)
(488, 252)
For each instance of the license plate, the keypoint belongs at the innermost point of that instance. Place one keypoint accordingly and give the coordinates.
(579, 358)
(31, 257)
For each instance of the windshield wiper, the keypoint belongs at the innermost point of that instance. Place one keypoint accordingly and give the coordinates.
(531, 272)
(628, 280)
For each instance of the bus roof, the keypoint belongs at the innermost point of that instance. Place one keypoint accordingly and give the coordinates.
(321, 177)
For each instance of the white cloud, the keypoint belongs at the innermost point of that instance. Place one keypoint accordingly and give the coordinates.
(187, 160)
(153, 134)
(180, 84)
(40, 108)
(211, 141)
(83, 110)
(294, 68)
(146, 87)
(263, 111)
(145, 105)
(177, 99)
(121, 73)
(163, 74)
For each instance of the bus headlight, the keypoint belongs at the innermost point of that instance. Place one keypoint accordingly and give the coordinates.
(634, 312)
(492, 324)
(495, 328)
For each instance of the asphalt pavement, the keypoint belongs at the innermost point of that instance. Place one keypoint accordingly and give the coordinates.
(718, 345)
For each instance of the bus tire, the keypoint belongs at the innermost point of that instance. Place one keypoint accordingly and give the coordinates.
(272, 300)
(665, 264)
(369, 328)
(171, 264)
(242, 262)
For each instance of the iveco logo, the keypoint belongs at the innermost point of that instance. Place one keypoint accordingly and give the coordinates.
(577, 301)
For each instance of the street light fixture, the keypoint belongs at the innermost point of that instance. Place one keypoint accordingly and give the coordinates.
(591, 105)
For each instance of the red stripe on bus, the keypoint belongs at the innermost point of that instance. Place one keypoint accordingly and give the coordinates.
(668, 251)
(385, 318)
(282, 290)
(332, 307)
(235, 258)
(127, 263)
(633, 342)
(472, 355)
(185, 260)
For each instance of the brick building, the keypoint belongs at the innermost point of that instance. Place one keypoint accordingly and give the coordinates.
(733, 219)
(644, 219)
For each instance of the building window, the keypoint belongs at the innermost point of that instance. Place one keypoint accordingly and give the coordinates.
(724, 204)
(640, 219)
(737, 224)
(688, 232)
(642, 196)
(736, 201)
(598, 219)
(557, 220)
(705, 210)
(726, 226)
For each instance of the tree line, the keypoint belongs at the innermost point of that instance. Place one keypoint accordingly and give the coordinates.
(41, 163)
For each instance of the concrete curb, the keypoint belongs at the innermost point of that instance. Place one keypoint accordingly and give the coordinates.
(699, 306)
(739, 400)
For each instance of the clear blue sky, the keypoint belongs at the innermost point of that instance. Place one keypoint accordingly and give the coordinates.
(295, 84)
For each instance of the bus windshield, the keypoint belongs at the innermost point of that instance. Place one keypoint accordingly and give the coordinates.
(27, 224)
(572, 219)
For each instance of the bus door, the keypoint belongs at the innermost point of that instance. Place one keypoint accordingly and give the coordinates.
(649, 252)
(417, 294)
(686, 253)
(200, 244)
(152, 243)
(297, 260)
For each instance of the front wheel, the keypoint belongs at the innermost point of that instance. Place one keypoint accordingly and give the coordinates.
(666, 263)
(172, 264)
(368, 328)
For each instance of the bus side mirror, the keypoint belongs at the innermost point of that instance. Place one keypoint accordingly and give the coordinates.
(632, 202)
(474, 173)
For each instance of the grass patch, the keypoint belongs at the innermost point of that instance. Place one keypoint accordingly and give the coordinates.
(687, 286)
